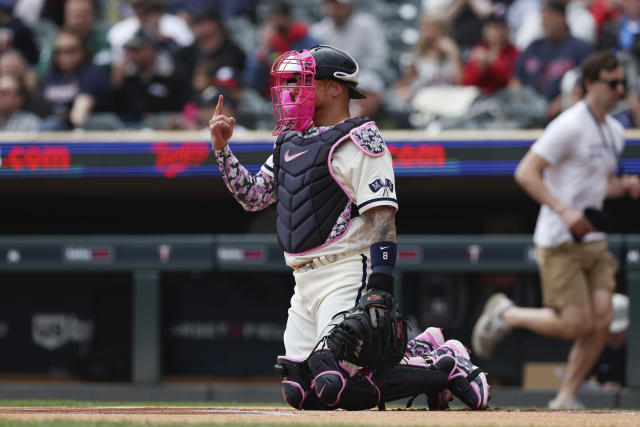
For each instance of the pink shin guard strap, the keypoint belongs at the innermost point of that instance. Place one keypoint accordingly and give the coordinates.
(369, 378)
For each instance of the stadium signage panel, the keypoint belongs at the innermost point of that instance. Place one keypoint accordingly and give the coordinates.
(241, 254)
(173, 159)
(169, 159)
(90, 254)
(38, 158)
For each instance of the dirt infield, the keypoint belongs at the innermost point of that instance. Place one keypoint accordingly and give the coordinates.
(271, 415)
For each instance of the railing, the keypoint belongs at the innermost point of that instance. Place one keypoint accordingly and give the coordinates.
(146, 257)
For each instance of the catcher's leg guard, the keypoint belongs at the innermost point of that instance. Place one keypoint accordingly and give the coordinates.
(296, 384)
(338, 386)
(415, 377)
(468, 382)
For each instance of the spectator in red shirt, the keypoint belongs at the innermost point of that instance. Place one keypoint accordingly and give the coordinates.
(280, 33)
(491, 62)
(604, 11)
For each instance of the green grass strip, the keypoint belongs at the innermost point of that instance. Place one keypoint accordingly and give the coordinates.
(89, 403)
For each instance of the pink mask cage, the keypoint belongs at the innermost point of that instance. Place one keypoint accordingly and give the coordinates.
(293, 91)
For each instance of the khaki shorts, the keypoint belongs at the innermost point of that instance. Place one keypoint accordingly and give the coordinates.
(571, 272)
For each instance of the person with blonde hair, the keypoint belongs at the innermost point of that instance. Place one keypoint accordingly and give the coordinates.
(435, 60)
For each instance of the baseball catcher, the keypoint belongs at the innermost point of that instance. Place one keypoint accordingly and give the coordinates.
(331, 178)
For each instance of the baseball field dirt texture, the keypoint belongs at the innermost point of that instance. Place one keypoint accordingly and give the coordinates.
(228, 415)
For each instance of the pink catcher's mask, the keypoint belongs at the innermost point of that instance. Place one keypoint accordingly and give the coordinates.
(293, 92)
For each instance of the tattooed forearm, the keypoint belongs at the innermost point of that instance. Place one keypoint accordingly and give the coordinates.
(382, 221)
(252, 192)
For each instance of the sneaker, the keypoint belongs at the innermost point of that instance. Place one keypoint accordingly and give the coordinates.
(572, 403)
(491, 326)
(424, 343)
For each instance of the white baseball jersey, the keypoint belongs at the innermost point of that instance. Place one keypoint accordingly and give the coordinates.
(369, 181)
(323, 292)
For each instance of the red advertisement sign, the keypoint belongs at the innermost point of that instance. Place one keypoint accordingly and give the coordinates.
(171, 159)
(35, 158)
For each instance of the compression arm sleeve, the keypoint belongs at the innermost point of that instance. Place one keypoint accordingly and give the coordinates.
(253, 192)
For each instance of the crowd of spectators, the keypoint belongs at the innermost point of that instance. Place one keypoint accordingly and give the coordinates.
(161, 64)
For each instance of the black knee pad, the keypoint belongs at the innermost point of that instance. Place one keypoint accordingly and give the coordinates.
(337, 386)
(409, 379)
(296, 384)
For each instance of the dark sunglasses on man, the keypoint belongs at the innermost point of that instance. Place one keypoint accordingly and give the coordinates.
(613, 83)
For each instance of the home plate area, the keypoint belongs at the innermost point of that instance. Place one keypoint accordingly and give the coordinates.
(283, 416)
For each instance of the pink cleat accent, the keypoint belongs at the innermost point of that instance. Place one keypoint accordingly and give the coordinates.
(426, 342)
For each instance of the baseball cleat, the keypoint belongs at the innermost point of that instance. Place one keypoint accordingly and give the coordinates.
(429, 340)
(467, 382)
(491, 326)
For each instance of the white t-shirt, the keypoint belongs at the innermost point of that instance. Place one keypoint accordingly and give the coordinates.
(171, 26)
(360, 175)
(581, 24)
(361, 37)
(581, 155)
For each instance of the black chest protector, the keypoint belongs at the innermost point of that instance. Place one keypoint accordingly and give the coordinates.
(309, 199)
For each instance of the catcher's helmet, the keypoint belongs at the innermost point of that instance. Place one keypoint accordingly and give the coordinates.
(293, 90)
(333, 63)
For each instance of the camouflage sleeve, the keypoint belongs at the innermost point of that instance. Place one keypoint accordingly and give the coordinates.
(253, 192)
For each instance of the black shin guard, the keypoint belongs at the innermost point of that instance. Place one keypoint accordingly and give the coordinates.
(337, 387)
(296, 384)
(468, 382)
(406, 380)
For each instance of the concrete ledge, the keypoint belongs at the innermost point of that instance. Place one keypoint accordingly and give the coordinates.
(239, 392)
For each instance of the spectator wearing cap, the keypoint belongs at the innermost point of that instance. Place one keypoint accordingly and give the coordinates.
(492, 61)
(581, 23)
(149, 14)
(73, 86)
(13, 96)
(435, 60)
(545, 61)
(357, 33)
(14, 34)
(207, 73)
(279, 34)
(147, 80)
(206, 76)
(198, 111)
(214, 46)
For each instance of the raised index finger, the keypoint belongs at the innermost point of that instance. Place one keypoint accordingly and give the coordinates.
(219, 104)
